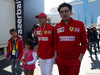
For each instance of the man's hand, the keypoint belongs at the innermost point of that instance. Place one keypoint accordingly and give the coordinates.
(8, 59)
(17, 59)
(80, 57)
(22, 60)
(25, 63)
(35, 48)
(55, 55)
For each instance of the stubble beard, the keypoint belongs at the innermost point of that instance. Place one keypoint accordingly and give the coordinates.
(66, 20)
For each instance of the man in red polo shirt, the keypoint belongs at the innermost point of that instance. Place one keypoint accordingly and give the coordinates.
(45, 49)
(70, 42)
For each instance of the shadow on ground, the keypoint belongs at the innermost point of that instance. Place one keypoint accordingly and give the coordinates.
(4, 64)
(95, 63)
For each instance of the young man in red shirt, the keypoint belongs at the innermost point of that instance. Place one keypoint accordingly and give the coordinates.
(45, 49)
(70, 42)
(15, 51)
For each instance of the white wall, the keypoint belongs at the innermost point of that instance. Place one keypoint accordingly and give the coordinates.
(7, 19)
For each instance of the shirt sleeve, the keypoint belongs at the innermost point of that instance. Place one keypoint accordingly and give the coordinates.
(8, 50)
(53, 34)
(33, 61)
(55, 39)
(21, 44)
(83, 39)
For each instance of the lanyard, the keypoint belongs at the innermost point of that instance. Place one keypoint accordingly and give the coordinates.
(26, 51)
(14, 44)
(42, 32)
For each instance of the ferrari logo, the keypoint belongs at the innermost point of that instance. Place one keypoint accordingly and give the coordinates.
(45, 32)
(71, 29)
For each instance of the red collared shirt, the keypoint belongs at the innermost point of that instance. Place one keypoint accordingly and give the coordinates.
(70, 40)
(45, 41)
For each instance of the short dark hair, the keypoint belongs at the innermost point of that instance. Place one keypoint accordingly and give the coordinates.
(65, 5)
(94, 27)
(30, 43)
(12, 30)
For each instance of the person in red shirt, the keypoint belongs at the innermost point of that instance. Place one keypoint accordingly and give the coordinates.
(45, 49)
(70, 42)
(15, 51)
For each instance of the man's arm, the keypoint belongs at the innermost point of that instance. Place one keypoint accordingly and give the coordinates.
(21, 44)
(55, 42)
(83, 41)
(8, 52)
(80, 57)
(36, 43)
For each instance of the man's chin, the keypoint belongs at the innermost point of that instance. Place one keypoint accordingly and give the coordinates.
(14, 36)
(66, 20)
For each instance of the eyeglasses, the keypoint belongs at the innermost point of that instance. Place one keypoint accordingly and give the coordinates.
(65, 11)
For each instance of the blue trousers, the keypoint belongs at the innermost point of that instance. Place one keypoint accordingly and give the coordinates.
(93, 43)
(15, 66)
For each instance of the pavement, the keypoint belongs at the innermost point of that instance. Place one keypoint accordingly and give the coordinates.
(89, 66)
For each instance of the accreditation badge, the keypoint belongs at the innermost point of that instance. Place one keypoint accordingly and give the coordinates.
(13, 52)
